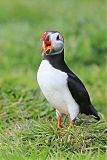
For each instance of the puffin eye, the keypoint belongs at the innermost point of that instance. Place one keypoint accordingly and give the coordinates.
(57, 38)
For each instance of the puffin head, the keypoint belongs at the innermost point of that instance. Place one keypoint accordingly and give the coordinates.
(53, 43)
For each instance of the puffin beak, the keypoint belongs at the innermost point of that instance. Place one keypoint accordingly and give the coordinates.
(47, 44)
(44, 36)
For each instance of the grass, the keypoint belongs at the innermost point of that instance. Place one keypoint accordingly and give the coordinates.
(27, 122)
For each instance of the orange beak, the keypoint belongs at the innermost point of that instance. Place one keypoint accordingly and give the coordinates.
(47, 44)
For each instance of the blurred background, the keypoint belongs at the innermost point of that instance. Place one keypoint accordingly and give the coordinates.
(22, 22)
(84, 27)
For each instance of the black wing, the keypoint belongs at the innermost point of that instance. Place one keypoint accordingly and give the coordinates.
(81, 95)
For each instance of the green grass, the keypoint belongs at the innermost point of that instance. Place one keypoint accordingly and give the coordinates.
(27, 122)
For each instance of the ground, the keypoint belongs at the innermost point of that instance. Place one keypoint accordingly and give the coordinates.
(27, 122)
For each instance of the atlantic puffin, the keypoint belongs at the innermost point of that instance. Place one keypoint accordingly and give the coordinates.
(61, 87)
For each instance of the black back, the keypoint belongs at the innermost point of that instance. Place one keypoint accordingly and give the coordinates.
(75, 85)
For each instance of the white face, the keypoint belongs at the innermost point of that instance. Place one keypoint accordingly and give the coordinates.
(53, 43)
(57, 42)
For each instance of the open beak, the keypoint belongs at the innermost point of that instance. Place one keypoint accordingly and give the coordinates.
(47, 44)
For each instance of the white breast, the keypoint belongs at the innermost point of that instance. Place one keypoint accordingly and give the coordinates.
(53, 84)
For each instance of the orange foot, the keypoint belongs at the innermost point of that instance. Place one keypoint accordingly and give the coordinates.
(70, 124)
(59, 122)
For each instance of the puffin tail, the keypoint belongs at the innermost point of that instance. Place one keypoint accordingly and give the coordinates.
(94, 112)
